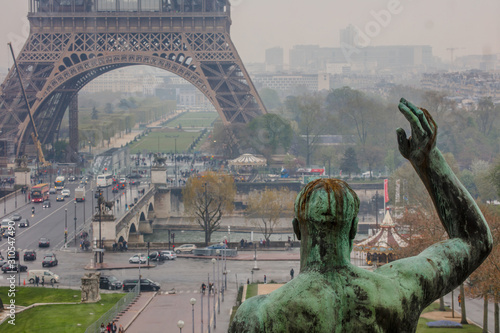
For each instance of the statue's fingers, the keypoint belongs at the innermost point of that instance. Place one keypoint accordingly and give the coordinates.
(412, 119)
(403, 143)
(424, 122)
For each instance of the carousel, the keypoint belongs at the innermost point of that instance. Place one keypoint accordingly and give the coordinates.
(245, 166)
(380, 248)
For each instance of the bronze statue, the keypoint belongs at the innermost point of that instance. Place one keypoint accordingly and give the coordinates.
(331, 295)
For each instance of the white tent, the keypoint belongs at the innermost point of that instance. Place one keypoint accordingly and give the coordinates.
(248, 160)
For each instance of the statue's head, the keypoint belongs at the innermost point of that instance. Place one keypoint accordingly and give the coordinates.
(326, 205)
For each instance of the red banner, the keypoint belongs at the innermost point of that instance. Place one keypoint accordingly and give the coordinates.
(386, 190)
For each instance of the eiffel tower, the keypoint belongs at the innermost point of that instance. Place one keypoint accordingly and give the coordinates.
(72, 42)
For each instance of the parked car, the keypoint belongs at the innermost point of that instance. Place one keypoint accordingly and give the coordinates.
(146, 285)
(168, 255)
(47, 275)
(24, 223)
(134, 182)
(43, 242)
(109, 282)
(185, 248)
(60, 197)
(66, 193)
(15, 217)
(135, 259)
(46, 204)
(50, 260)
(8, 268)
(52, 190)
(29, 255)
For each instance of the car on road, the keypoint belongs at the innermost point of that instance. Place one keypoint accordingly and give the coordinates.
(44, 274)
(156, 256)
(29, 255)
(123, 182)
(15, 217)
(138, 258)
(185, 248)
(134, 176)
(43, 242)
(13, 255)
(71, 178)
(109, 282)
(5, 223)
(52, 190)
(60, 197)
(46, 204)
(146, 285)
(66, 193)
(23, 223)
(168, 255)
(6, 233)
(49, 260)
(115, 189)
(9, 268)
(216, 246)
(134, 182)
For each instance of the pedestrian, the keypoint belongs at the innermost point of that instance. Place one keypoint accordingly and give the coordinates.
(102, 328)
(37, 280)
(265, 279)
(291, 274)
(120, 329)
(43, 281)
(203, 288)
(248, 281)
(459, 300)
(113, 327)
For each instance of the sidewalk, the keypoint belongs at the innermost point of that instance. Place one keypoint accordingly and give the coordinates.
(11, 203)
(134, 310)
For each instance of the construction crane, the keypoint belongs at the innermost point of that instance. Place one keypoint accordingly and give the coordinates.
(452, 51)
(34, 134)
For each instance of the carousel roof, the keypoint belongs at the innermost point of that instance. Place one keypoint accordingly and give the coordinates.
(248, 159)
(385, 240)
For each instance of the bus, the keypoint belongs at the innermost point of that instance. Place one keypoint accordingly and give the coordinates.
(40, 193)
(59, 183)
(104, 180)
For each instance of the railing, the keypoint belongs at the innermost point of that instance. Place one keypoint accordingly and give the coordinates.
(109, 316)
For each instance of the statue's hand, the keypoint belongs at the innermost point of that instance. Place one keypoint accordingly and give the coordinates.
(417, 147)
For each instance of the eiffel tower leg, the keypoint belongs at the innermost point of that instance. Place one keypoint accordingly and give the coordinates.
(73, 127)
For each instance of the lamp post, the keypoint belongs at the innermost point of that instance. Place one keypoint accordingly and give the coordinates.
(215, 318)
(180, 324)
(193, 302)
(26, 188)
(202, 294)
(218, 281)
(84, 219)
(208, 302)
(92, 210)
(75, 224)
(66, 227)
(175, 161)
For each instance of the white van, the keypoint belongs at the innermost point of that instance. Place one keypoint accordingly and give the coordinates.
(47, 275)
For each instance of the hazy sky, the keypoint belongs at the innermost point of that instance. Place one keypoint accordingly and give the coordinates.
(472, 25)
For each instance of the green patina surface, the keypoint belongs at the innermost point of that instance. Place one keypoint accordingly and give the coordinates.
(331, 295)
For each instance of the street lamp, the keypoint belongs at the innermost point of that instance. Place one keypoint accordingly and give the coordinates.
(193, 302)
(65, 227)
(202, 294)
(26, 188)
(75, 224)
(218, 280)
(215, 317)
(180, 324)
(208, 302)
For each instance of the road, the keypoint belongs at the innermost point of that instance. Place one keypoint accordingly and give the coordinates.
(51, 222)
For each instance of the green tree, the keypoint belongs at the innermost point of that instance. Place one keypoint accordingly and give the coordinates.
(373, 157)
(206, 199)
(349, 162)
(486, 114)
(265, 208)
(270, 134)
(108, 108)
(95, 113)
(270, 98)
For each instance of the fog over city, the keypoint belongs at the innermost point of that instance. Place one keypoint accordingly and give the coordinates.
(470, 26)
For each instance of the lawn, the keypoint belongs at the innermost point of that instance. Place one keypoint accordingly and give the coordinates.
(56, 318)
(194, 119)
(164, 142)
(29, 295)
(252, 290)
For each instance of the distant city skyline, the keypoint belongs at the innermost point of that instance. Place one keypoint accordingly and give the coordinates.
(471, 27)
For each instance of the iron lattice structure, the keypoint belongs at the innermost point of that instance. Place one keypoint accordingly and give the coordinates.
(72, 42)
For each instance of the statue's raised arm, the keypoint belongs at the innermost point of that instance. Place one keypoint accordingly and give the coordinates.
(470, 238)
